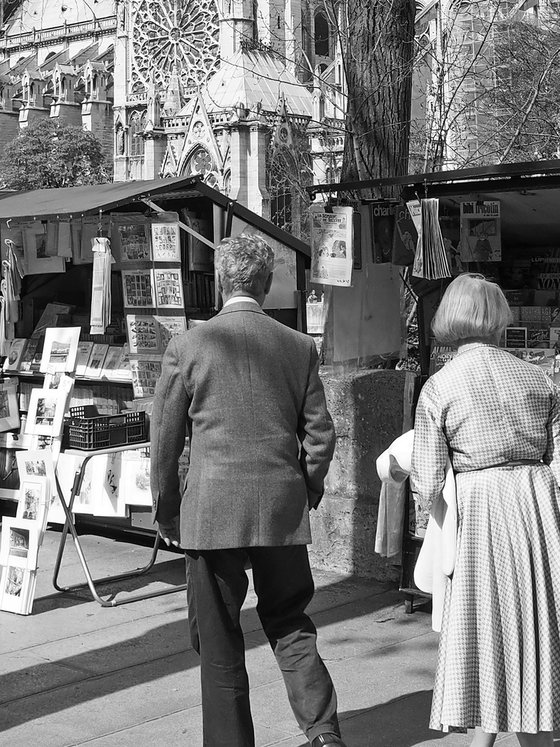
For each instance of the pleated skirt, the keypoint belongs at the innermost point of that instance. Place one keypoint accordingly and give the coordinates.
(499, 652)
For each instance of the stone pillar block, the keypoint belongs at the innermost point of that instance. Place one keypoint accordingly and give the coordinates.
(367, 410)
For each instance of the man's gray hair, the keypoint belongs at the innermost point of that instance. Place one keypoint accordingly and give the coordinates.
(244, 263)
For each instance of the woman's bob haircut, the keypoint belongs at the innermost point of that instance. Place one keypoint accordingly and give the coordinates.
(472, 308)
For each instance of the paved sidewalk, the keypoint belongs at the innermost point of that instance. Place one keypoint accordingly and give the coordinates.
(74, 673)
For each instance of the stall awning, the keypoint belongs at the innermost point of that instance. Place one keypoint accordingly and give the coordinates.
(74, 202)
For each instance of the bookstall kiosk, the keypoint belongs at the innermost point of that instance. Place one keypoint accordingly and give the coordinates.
(157, 238)
(501, 221)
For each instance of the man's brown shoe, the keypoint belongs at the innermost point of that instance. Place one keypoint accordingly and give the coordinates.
(327, 740)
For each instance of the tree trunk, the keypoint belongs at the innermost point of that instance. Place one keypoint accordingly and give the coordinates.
(378, 60)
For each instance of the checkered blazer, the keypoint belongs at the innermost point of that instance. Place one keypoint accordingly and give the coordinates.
(484, 408)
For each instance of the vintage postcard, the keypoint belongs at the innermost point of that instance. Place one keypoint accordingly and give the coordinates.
(19, 545)
(166, 242)
(143, 334)
(46, 411)
(60, 348)
(17, 589)
(138, 291)
(168, 288)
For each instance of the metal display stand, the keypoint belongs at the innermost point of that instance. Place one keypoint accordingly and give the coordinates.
(69, 527)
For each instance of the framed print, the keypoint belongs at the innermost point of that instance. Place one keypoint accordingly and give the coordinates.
(82, 356)
(166, 242)
(138, 291)
(168, 327)
(131, 238)
(143, 334)
(60, 349)
(145, 373)
(168, 286)
(39, 261)
(36, 465)
(46, 410)
(9, 410)
(96, 360)
(32, 501)
(135, 478)
(15, 354)
(17, 588)
(19, 544)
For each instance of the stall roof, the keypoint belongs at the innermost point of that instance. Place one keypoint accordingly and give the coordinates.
(40, 204)
(529, 194)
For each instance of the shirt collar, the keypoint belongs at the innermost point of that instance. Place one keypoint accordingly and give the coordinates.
(241, 299)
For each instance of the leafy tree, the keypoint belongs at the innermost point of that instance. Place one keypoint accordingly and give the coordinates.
(49, 153)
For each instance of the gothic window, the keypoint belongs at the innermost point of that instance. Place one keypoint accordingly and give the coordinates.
(201, 162)
(281, 186)
(322, 35)
(181, 34)
(136, 145)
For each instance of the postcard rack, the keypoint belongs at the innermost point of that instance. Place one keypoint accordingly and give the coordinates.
(69, 527)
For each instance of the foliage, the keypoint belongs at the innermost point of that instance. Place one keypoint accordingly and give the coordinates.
(49, 153)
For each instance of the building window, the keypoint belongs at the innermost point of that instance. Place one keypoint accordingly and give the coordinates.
(322, 36)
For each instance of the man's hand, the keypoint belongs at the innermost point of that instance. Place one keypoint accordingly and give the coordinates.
(169, 531)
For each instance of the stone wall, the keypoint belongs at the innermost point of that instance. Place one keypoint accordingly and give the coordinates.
(367, 409)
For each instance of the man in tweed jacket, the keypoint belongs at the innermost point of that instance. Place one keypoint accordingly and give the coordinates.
(246, 390)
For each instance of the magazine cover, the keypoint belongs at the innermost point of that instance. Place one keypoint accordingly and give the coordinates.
(332, 246)
(480, 231)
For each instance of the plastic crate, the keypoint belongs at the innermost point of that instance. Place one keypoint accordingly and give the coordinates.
(104, 431)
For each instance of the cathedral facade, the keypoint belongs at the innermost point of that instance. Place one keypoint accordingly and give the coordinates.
(247, 93)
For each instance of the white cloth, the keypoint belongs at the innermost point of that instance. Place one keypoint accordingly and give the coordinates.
(436, 559)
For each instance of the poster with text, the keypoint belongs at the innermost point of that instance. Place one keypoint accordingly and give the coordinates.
(480, 231)
(331, 246)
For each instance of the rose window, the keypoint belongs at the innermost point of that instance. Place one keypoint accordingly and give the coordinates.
(181, 34)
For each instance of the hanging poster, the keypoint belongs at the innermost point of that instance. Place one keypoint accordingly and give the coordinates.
(331, 246)
(145, 373)
(143, 334)
(138, 288)
(168, 288)
(166, 242)
(131, 238)
(38, 259)
(480, 231)
(168, 327)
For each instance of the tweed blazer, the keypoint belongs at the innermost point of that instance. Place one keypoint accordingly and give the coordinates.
(246, 390)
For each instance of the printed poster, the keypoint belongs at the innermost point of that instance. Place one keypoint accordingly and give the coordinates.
(168, 327)
(332, 246)
(138, 288)
(143, 334)
(166, 242)
(168, 286)
(145, 373)
(481, 231)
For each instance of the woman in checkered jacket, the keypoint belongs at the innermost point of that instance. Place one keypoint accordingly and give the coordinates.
(498, 418)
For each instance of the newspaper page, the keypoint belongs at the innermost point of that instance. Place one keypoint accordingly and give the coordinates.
(331, 246)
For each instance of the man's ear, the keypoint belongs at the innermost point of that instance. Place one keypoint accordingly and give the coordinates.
(268, 284)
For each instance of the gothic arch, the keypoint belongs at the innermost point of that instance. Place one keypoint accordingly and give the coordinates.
(200, 161)
(137, 123)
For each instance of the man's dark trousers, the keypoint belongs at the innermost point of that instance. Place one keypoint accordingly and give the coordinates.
(217, 587)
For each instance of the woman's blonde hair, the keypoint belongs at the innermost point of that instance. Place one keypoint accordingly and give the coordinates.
(471, 308)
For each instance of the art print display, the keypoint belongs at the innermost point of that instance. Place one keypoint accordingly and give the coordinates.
(143, 334)
(96, 360)
(135, 478)
(145, 373)
(38, 259)
(169, 288)
(46, 410)
(15, 354)
(60, 349)
(168, 327)
(138, 291)
(17, 588)
(166, 242)
(480, 231)
(19, 544)
(131, 238)
(9, 410)
(33, 501)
